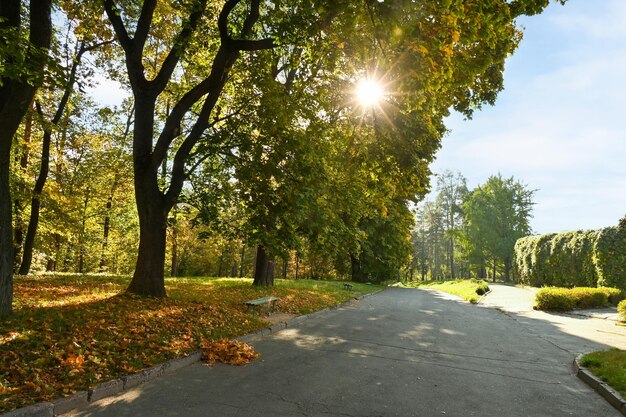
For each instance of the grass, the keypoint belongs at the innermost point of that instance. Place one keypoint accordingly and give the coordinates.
(469, 289)
(609, 366)
(565, 299)
(70, 332)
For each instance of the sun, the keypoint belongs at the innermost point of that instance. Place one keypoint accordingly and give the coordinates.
(369, 92)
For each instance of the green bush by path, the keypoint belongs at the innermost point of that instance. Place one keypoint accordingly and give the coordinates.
(609, 366)
(574, 259)
(565, 299)
(621, 309)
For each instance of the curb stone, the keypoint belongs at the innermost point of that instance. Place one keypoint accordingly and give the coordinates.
(65, 404)
(116, 386)
(44, 409)
(601, 387)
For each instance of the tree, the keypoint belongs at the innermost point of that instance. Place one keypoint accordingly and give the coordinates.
(496, 215)
(68, 85)
(22, 73)
(434, 54)
(452, 189)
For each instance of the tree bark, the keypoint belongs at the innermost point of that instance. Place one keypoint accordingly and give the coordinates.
(243, 254)
(35, 205)
(19, 203)
(507, 269)
(263, 271)
(105, 235)
(16, 94)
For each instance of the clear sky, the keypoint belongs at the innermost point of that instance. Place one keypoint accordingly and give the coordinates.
(560, 124)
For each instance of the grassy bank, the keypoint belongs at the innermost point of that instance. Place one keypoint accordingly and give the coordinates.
(468, 289)
(70, 332)
(609, 366)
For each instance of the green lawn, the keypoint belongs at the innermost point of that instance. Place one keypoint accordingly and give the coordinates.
(609, 366)
(70, 332)
(468, 289)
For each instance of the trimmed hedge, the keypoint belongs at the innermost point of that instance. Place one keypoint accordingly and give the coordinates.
(565, 299)
(621, 309)
(574, 259)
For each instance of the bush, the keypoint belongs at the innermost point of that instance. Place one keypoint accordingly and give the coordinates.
(482, 288)
(610, 256)
(621, 309)
(565, 299)
(554, 299)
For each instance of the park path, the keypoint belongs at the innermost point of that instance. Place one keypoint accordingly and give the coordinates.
(590, 327)
(402, 352)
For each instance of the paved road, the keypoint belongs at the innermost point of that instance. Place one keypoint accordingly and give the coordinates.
(403, 352)
(577, 332)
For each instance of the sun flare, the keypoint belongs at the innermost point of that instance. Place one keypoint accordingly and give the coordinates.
(369, 92)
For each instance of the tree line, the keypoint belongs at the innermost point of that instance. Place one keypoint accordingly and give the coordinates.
(470, 233)
(241, 129)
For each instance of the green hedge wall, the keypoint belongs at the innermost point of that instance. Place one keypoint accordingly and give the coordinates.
(574, 259)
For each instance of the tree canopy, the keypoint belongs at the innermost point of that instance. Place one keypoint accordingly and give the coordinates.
(244, 113)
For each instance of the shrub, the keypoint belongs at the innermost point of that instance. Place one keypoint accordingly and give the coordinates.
(554, 299)
(610, 256)
(482, 288)
(564, 299)
(621, 309)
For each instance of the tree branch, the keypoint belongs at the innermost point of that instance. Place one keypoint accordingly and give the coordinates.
(222, 20)
(143, 24)
(180, 44)
(118, 25)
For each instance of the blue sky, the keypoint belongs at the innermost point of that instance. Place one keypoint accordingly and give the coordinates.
(560, 124)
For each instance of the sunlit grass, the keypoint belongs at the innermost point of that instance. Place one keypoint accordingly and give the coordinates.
(469, 289)
(70, 332)
(609, 366)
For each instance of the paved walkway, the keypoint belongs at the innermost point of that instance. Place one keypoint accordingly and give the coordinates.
(403, 352)
(590, 327)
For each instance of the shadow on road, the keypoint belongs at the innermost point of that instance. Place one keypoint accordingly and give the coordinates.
(403, 352)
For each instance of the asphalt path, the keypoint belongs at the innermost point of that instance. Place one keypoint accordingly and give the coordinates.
(402, 352)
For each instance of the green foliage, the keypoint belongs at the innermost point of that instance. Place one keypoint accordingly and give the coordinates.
(497, 213)
(610, 256)
(565, 299)
(621, 309)
(609, 366)
(579, 258)
(482, 288)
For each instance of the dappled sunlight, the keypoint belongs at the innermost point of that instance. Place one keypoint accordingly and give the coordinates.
(451, 332)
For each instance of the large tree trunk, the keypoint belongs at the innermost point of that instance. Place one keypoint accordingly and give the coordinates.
(15, 97)
(264, 270)
(149, 278)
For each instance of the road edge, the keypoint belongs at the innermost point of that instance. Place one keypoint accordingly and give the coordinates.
(117, 386)
(601, 387)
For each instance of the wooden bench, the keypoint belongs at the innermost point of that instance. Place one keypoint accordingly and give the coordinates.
(347, 286)
(266, 302)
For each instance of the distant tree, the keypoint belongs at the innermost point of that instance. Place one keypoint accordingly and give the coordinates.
(452, 189)
(497, 213)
